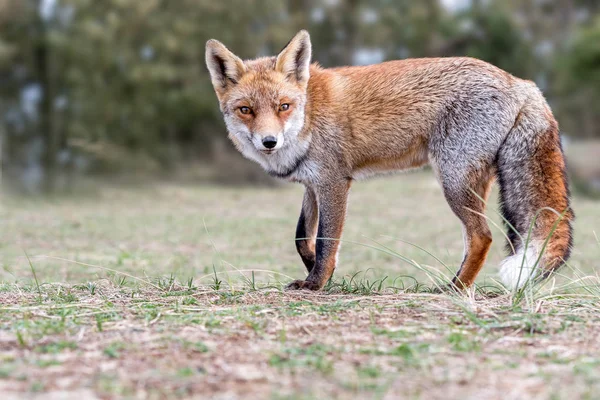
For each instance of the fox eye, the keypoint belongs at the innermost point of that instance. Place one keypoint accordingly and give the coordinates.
(284, 107)
(245, 110)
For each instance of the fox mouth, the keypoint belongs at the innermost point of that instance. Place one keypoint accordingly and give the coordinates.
(270, 151)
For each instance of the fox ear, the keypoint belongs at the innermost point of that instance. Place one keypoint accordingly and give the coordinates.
(294, 59)
(225, 68)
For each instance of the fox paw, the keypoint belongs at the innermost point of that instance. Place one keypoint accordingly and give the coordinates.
(300, 284)
(447, 289)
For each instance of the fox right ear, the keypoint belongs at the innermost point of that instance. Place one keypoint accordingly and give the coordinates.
(225, 68)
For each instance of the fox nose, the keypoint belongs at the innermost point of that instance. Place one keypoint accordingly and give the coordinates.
(269, 142)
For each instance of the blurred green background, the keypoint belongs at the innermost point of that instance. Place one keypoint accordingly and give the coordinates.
(106, 88)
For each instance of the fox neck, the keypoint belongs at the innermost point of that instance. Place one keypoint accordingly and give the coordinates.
(288, 160)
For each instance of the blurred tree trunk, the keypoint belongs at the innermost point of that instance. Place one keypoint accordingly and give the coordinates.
(351, 31)
(433, 18)
(43, 72)
(3, 152)
(299, 11)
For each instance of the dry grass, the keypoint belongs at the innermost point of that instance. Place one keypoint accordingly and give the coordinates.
(174, 291)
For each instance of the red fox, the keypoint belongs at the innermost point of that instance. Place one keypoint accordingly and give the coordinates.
(471, 121)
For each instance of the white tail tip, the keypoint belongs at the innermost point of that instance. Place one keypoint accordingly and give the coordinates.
(519, 268)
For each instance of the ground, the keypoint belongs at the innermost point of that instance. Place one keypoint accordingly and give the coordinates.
(174, 290)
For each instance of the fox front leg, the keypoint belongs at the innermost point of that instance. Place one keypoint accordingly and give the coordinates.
(332, 201)
(306, 231)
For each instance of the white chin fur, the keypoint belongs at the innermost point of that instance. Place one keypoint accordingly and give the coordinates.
(515, 272)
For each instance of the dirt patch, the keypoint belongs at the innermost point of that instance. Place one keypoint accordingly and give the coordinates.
(272, 344)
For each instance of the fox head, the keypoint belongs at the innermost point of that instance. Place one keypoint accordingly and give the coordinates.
(263, 100)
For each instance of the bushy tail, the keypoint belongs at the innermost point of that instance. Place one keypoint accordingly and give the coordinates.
(534, 196)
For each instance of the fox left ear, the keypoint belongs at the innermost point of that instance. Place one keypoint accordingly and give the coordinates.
(294, 59)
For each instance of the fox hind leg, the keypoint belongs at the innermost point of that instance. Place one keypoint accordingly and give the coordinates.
(467, 194)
